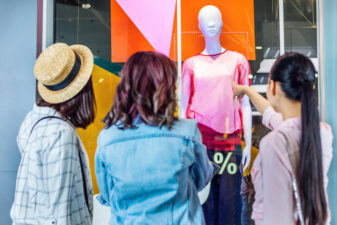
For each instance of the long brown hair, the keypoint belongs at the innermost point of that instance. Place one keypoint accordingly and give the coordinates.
(147, 89)
(79, 110)
(296, 74)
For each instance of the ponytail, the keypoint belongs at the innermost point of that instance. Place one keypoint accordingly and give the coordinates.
(296, 74)
(310, 166)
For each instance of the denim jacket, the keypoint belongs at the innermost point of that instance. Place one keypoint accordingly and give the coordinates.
(151, 175)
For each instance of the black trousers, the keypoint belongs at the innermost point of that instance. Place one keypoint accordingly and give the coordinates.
(224, 204)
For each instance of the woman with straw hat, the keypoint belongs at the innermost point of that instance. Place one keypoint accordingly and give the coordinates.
(53, 183)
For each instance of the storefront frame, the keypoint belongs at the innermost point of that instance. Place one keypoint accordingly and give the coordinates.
(325, 19)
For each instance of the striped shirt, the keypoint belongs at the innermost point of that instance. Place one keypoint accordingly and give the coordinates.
(49, 185)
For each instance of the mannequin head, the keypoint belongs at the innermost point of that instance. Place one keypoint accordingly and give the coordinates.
(210, 21)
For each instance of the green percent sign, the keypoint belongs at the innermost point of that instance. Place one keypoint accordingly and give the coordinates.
(232, 168)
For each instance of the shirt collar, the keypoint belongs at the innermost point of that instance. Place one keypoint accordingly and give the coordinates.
(48, 111)
(292, 122)
(137, 120)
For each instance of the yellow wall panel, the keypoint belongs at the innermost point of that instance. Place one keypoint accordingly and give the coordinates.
(105, 84)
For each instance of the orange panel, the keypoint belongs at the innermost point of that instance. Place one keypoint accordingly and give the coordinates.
(125, 36)
(238, 32)
(193, 43)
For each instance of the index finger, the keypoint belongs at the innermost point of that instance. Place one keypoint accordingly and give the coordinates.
(233, 83)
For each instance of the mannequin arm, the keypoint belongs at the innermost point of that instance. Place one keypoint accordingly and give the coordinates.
(186, 83)
(185, 93)
(247, 129)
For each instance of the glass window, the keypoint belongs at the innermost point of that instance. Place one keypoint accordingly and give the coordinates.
(89, 23)
(108, 30)
(301, 27)
(267, 39)
(84, 22)
(300, 35)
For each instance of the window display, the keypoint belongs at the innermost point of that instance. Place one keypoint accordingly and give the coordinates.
(237, 34)
(207, 96)
(243, 49)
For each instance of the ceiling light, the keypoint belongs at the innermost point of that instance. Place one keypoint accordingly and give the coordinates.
(86, 6)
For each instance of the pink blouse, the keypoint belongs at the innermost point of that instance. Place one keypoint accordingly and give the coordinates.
(207, 94)
(271, 172)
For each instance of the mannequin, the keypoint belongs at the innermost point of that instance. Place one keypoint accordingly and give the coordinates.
(207, 96)
(210, 24)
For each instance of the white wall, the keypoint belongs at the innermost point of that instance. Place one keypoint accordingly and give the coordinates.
(18, 21)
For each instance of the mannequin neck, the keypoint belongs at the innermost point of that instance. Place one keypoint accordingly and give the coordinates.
(212, 46)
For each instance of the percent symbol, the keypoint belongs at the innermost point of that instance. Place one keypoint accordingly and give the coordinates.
(219, 159)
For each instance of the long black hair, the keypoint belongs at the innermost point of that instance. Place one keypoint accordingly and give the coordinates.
(147, 89)
(296, 75)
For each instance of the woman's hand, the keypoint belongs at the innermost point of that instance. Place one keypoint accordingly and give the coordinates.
(260, 102)
(239, 90)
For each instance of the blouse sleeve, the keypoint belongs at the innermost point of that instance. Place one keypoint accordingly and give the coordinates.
(244, 71)
(186, 83)
(271, 119)
(276, 179)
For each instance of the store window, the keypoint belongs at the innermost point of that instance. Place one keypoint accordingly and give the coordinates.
(301, 27)
(85, 22)
(300, 34)
(88, 22)
(267, 48)
(112, 37)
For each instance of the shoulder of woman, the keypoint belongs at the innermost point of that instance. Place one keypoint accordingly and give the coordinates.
(51, 132)
(185, 127)
(273, 143)
(107, 134)
(55, 143)
(273, 151)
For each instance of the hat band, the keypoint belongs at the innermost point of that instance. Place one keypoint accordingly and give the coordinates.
(70, 77)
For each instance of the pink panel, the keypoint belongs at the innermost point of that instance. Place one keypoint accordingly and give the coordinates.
(154, 18)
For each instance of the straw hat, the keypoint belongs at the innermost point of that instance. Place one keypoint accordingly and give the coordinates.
(62, 71)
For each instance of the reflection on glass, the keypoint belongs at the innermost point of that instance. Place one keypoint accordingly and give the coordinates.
(88, 23)
(267, 36)
(85, 22)
(267, 49)
(300, 36)
(301, 27)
